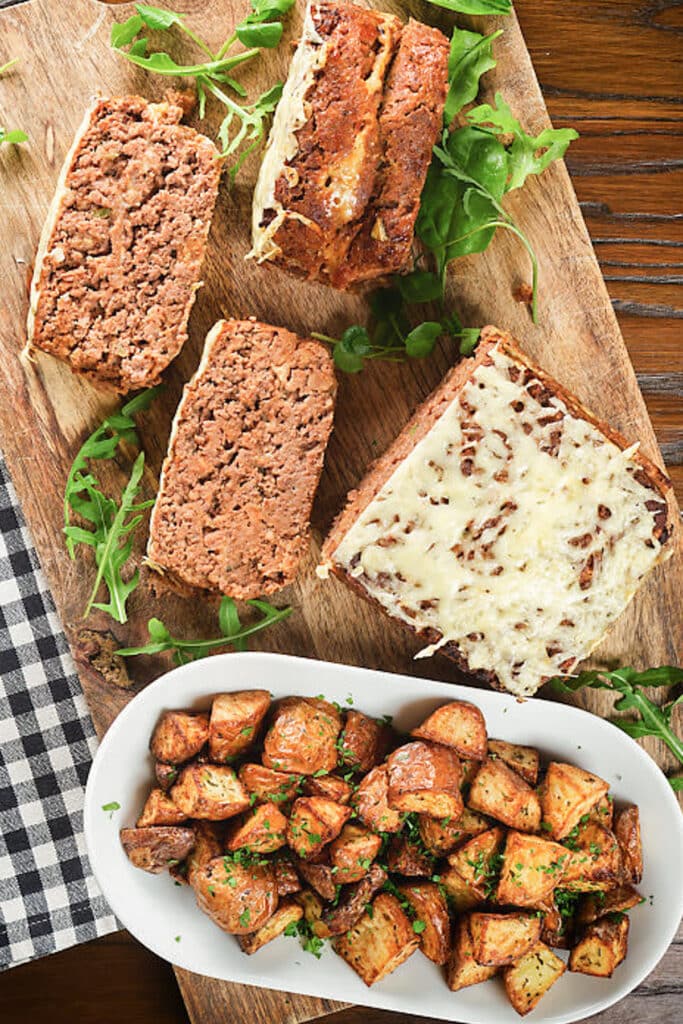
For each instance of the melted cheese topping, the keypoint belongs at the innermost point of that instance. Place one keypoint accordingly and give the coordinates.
(514, 529)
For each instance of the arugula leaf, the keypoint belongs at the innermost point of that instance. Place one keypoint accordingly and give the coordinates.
(471, 55)
(159, 18)
(13, 136)
(475, 6)
(233, 634)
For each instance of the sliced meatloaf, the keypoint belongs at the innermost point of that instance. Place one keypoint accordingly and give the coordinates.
(350, 144)
(243, 463)
(119, 259)
(506, 525)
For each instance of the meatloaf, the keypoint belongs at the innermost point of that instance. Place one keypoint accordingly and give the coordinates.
(121, 251)
(340, 183)
(245, 455)
(506, 525)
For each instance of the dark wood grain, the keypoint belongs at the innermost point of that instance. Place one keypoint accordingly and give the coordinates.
(611, 68)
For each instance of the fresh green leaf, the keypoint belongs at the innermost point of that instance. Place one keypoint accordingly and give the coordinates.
(268, 34)
(229, 622)
(471, 56)
(677, 783)
(13, 136)
(469, 340)
(158, 18)
(123, 34)
(421, 340)
(419, 927)
(420, 286)
(492, 7)
(10, 64)
(112, 806)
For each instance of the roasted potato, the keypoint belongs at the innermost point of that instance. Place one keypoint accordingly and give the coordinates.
(600, 904)
(431, 909)
(313, 907)
(459, 725)
(443, 835)
(594, 862)
(364, 742)
(462, 969)
(602, 813)
(627, 831)
(528, 980)
(239, 898)
(268, 785)
(208, 845)
(160, 809)
(320, 877)
(371, 804)
(165, 775)
(425, 777)
(379, 942)
(287, 913)
(262, 831)
(475, 861)
(558, 927)
(235, 721)
(462, 895)
(504, 795)
(567, 794)
(314, 822)
(302, 737)
(354, 900)
(209, 791)
(286, 877)
(602, 948)
(523, 760)
(179, 736)
(405, 857)
(330, 786)
(532, 868)
(500, 939)
(352, 852)
(469, 768)
(154, 849)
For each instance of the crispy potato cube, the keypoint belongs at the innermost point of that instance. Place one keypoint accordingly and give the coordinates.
(238, 898)
(405, 857)
(208, 845)
(364, 742)
(330, 786)
(154, 849)
(314, 822)
(376, 945)
(469, 768)
(431, 908)
(441, 836)
(627, 831)
(476, 860)
(602, 948)
(354, 901)
(462, 969)
(235, 721)
(500, 939)
(425, 777)
(179, 735)
(599, 904)
(209, 791)
(320, 877)
(353, 851)
(558, 928)
(459, 725)
(463, 896)
(302, 737)
(165, 775)
(567, 794)
(262, 831)
(286, 877)
(523, 760)
(595, 862)
(532, 868)
(504, 795)
(159, 809)
(528, 980)
(268, 785)
(313, 907)
(370, 802)
(287, 913)
(602, 813)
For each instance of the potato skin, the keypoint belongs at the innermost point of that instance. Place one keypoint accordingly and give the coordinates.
(269, 785)
(209, 791)
(352, 852)
(159, 809)
(364, 742)
(371, 802)
(287, 913)
(375, 946)
(238, 898)
(262, 831)
(523, 760)
(302, 737)
(567, 794)
(473, 860)
(208, 845)
(430, 906)
(602, 948)
(504, 795)
(627, 832)
(353, 902)
(286, 877)
(462, 969)
(425, 777)
(314, 822)
(406, 858)
(500, 939)
(235, 721)
(619, 900)
(533, 867)
(459, 725)
(330, 786)
(595, 863)
(320, 877)
(179, 736)
(442, 836)
(528, 980)
(151, 849)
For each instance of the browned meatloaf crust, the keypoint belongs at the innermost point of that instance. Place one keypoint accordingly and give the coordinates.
(121, 254)
(244, 460)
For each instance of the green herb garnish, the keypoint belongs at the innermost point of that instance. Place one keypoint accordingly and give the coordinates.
(114, 805)
(475, 6)
(12, 136)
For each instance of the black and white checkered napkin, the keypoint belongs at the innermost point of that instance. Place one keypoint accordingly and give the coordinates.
(48, 897)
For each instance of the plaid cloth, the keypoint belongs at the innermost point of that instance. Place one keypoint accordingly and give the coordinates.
(48, 897)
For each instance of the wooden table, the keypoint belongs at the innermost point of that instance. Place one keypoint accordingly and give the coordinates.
(612, 69)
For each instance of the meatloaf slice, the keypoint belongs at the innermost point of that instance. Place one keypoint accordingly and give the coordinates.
(506, 525)
(244, 459)
(121, 251)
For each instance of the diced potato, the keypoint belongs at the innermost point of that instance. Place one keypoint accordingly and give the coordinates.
(154, 849)
(370, 802)
(330, 786)
(269, 785)
(406, 858)
(462, 895)
(313, 907)
(499, 939)
(567, 794)
(208, 845)
(303, 736)
(602, 813)
(353, 851)
(504, 795)
(286, 877)
(314, 822)
(287, 913)
(595, 863)
(469, 768)
(425, 777)
(528, 980)
(602, 948)
(262, 831)
(376, 945)
(476, 861)
(431, 909)
(627, 831)
(179, 735)
(532, 868)
(238, 898)
(441, 836)
(235, 721)
(462, 969)
(354, 901)
(165, 775)
(599, 904)
(459, 725)
(159, 809)
(320, 877)
(209, 791)
(364, 742)
(523, 760)
(558, 928)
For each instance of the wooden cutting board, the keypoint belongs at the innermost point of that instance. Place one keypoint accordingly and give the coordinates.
(45, 412)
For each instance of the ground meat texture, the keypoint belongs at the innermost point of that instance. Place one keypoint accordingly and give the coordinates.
(246, 452)
(122, 249)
